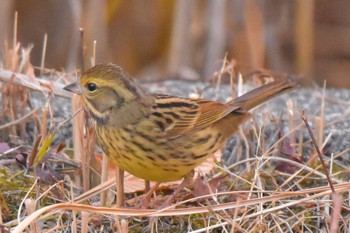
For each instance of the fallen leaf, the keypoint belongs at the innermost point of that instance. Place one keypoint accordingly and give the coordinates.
(288, 151)
(202, 187)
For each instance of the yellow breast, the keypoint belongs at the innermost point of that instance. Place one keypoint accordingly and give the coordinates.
(141, 151)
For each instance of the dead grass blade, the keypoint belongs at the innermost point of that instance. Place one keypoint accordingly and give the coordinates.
(20, 120)
(310, 195)
(33, 84)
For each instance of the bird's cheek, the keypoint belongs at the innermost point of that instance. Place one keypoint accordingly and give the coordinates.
(103, 104)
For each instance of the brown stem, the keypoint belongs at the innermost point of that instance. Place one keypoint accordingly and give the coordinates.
(304, 118)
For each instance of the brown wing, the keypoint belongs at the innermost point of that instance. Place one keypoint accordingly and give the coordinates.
(211, 112)
(177, 116)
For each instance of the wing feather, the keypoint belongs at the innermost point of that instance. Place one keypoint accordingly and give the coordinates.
(182, 116)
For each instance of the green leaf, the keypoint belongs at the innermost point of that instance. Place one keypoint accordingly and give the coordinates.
(45, 145)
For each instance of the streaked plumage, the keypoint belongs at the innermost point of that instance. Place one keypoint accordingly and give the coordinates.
(159, 137)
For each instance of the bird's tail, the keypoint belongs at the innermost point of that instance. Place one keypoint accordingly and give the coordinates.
(262, 94)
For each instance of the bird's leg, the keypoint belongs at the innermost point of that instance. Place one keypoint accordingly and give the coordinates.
(120, 195)
(120, 187)
(147, 186)
(188, 179)
(145, 201)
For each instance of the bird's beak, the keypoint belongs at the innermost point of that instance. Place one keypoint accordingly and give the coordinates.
(74, 87)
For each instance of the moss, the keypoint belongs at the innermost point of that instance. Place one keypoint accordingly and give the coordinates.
(13, 188)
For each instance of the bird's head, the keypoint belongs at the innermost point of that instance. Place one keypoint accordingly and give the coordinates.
(106, 87)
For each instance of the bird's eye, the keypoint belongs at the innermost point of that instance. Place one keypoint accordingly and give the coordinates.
(91, 87)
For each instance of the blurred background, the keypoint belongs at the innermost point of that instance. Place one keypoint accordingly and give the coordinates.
(161, 39)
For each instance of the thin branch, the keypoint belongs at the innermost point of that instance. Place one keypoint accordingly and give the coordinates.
(19, 120)
(15, 30)
(304, 118)
(34, 84)
(81, 49)
(43, 54)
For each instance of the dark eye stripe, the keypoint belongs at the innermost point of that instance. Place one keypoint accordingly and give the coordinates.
(120, 99)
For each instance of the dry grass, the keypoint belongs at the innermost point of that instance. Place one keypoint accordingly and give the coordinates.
(278, 184)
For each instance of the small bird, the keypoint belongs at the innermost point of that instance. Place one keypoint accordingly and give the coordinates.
(161, 137)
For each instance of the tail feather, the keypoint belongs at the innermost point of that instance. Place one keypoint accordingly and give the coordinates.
(262, 94)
